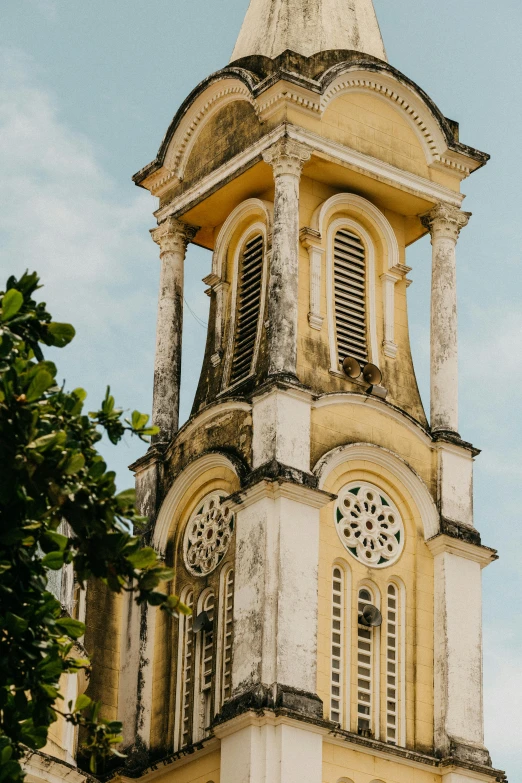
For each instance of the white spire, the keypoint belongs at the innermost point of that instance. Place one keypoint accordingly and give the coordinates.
(308, 27)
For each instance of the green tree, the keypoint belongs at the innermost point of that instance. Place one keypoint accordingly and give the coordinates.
(50, 473)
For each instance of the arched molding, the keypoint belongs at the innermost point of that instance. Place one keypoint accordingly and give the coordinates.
(252, 209)
(211, 412)
(201, 111)
(333, 228)
(352, 398)
(350, 202)
(410, 103)
(345, 780)
(182, 484)
(376, 455)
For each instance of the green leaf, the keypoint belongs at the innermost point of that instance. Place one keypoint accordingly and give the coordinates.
(126, 498)
(7, 752)
(40, 383)
(73, 628)
(33, 736)
(53, 561)
(80, 393)
(75, 464)
(82, 702)
(55, 541)
(139, 420)
(61, 334)
(11, 304)
(16, 625)
(143, 558)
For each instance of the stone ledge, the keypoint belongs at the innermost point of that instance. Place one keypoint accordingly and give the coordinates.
(300, 704)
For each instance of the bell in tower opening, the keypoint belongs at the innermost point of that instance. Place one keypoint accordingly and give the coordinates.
(318, 519)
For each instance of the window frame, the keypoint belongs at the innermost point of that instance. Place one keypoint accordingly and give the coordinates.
(259, 227)
(370, 294)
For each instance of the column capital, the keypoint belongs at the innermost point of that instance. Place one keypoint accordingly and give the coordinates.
(445, 220)
(173, 236)
(287, 156)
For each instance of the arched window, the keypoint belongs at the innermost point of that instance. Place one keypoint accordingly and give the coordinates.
(338, 647)
(227, 629)
(185, 659)
(349, 280)
(366, 685)
(248, 306)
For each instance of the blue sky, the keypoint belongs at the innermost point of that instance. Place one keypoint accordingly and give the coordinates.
(87, 91)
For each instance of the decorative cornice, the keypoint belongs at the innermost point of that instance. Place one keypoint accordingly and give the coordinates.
(445, 544)
(287, 156)
(173, 236)
(445, 221)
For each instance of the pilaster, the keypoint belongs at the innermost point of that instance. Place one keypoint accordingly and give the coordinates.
(459, 724)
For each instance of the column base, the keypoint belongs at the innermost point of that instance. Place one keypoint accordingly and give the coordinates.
(272, 697)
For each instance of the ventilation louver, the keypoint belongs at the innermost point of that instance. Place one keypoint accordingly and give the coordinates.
(350, 296)
(248, 306)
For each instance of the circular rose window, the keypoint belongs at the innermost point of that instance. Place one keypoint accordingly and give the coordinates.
(208, 534)
(369, 525)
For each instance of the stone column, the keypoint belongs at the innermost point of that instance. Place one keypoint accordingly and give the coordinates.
(287, 158)
(444, 223)
(173, 237)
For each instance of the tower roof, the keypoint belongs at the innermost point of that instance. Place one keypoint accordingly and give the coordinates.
(309, 27)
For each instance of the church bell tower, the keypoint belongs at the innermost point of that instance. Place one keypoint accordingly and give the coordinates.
(320, 524)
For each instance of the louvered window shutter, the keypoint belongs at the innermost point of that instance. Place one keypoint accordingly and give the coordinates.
(350, 296)
(248, 303)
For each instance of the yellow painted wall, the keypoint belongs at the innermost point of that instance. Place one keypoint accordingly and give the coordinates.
(341, 763)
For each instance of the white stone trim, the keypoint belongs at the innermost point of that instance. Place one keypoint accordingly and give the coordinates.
(375, 168)
(312, 241)
(392, 462)
(355, 203)
(251, 208)
(281, 428)
(388, 296)
(183, 483)
(333, 228)
(482, 555)
(325, 148)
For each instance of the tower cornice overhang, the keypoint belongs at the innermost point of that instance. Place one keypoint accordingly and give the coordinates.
(310, 83)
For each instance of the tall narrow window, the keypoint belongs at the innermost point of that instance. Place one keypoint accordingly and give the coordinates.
(207, 663)
(248, 306)
(350, 296)
(365, 683)
(392, 664)
(337, 668)
(187, 652)
(228, 625)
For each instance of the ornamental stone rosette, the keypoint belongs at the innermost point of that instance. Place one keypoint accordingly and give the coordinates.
(208, 535)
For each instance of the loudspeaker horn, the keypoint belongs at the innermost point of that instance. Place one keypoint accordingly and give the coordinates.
(372, 375)
(202, 623)
(370, 616)
(351, 367)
